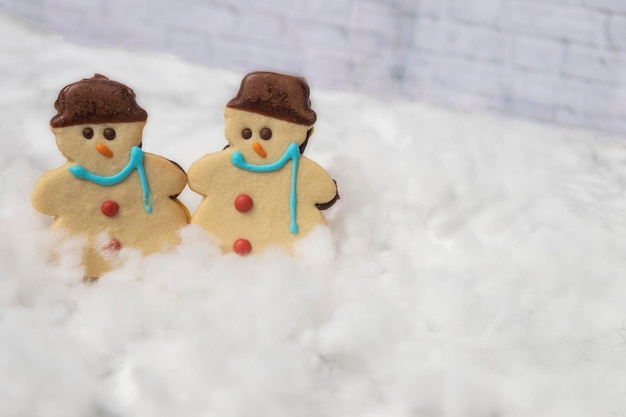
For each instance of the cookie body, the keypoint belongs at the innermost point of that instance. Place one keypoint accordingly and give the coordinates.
(254, 207)
(114, 217)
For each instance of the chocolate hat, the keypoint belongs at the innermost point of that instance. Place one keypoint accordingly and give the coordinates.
(275, 95)
(96, 100)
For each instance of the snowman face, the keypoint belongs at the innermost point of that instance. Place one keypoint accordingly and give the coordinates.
(261, 139)
(99, 147)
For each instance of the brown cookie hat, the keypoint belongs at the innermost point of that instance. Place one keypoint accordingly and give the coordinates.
(275, 95)
(96, 100)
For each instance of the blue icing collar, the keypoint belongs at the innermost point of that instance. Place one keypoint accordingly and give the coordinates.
(292, 153)
(135, 162)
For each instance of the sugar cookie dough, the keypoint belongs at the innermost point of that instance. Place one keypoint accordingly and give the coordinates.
(260, 190)
(109, 191)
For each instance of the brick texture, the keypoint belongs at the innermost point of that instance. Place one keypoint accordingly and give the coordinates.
(558, 61)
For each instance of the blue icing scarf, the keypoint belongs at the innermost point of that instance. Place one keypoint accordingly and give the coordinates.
(292, 153)
(135, 162)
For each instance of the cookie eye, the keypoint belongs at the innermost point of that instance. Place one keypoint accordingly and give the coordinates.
(109, 133)
(266, 133)
(88, 133)
(246, 133)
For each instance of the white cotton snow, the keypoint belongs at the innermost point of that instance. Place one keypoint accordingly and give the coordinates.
(474, 266)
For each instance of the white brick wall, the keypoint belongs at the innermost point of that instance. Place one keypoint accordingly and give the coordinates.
(554, 60)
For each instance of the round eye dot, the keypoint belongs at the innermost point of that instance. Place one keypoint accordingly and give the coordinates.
(109, 133)
(246, 133)
(88, 133)
(266, 133)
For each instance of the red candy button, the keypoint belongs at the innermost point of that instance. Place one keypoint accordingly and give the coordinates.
(242, 247)
(243, 203)
(109, 208)
(112, 246)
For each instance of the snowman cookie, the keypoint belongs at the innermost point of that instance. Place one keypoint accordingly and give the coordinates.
(109, 191)
(260, 191)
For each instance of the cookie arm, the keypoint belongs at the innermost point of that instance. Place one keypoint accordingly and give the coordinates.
(201, 172)
(319, 187)
(331, 202)
(165, 177)
(49, 191)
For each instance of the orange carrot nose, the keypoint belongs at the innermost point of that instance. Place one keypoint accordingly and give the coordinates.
(102, 148)
(259, 149)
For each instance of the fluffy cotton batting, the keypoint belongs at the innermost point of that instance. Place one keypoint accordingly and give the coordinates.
(474, 266)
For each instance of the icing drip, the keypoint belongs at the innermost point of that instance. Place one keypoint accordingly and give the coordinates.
(135, 162)
(292, 153)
